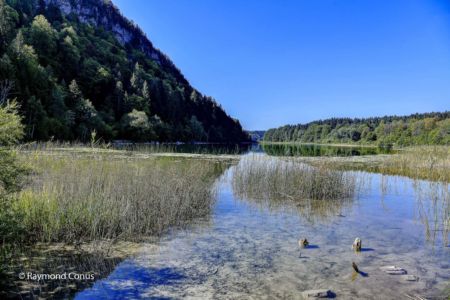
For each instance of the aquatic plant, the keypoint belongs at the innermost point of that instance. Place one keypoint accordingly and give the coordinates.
(313, 191)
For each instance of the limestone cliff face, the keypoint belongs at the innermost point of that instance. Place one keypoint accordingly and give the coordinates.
(103, 13)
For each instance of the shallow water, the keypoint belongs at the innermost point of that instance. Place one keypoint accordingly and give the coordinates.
(250, 250)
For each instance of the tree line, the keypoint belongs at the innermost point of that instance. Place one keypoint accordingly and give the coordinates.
(72, 79)
(416, 129)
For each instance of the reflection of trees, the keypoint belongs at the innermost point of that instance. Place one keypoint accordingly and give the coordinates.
(319, 150)
(315, 192)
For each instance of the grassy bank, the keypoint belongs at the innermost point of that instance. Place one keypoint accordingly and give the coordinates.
(82, 206)
(424, 162)
(79, 197)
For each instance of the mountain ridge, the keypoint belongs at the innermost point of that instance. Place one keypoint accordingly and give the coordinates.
(125, 30)
(79, 68)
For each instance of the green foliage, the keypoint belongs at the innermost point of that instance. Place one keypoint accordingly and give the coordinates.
(71, 77)
(418, 129)
(136, 124)
(12, 172)
(11, 128)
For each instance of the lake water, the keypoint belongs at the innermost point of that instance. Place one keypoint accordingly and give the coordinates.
(249, 249)
(270, 149)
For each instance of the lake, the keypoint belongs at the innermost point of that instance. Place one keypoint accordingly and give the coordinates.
(269, 149)
(248, 247)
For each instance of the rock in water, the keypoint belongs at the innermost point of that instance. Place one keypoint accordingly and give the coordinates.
(355, 267)
(357, 244)
(411, 278)
(393, 270)
(303, 243)
(316, 294)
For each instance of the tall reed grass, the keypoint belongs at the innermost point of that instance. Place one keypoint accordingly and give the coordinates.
(419, 162)
(424, 162)
(75, 197)
(143, 148)
(315, 192)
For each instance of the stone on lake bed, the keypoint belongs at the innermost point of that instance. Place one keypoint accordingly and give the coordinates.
(411, 278)
(357, 245)
(303, 243)
(393, 270)
(323, 293)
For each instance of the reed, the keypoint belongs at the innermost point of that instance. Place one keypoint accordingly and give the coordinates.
(313, 191)
(76, 197)
(424, 162)
(419, 162)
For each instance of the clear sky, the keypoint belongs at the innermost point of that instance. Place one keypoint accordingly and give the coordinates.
(271, 62)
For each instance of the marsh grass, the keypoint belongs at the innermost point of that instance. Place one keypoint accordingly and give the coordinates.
(426, 162)
(316, 192)
(76, 197)
(82, 204)
(142, 148)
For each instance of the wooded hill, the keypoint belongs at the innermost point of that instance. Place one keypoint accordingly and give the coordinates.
(78, 66)
(416, 129)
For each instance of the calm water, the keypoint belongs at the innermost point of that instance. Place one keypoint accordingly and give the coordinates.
(250, 249)
(273, 150)
(321, 150)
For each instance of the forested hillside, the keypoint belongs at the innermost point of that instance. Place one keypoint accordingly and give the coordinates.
(417, 129)
(77, 67)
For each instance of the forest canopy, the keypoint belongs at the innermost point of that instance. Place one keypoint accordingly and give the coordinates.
(72, 78)
(417, 129)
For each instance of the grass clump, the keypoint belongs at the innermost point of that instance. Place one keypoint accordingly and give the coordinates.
(80, 198)
(314, 191)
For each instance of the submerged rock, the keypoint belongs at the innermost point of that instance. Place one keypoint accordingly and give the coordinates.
(357, 244)
(303, 243)
(317, 294)
(393, 270)
(411, 278)
(355, 267)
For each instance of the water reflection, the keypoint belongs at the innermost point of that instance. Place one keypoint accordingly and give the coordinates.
(270, 149)
(321, 150)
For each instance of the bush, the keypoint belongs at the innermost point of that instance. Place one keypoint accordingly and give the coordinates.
(12, 172)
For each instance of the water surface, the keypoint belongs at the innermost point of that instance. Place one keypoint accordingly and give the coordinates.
(270, 149)
(250, 248)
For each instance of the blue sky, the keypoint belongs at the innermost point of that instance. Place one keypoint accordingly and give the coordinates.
(271, 63)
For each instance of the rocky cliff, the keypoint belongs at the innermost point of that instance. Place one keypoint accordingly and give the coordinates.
(103, 13)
